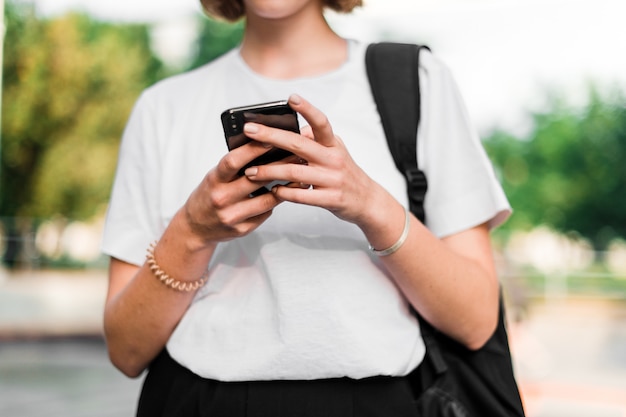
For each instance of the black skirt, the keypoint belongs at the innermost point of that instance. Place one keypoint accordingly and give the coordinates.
(171, 390)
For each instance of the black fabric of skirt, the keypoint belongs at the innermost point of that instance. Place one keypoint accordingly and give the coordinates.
(171, 390)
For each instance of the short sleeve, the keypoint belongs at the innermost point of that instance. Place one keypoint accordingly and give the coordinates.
(463, 191)
(132, 220)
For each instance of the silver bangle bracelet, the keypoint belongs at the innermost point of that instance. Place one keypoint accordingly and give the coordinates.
(405, 233)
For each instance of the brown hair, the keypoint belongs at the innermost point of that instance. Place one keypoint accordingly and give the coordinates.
(233, 10)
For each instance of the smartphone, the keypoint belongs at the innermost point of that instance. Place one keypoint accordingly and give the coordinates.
(274, 114)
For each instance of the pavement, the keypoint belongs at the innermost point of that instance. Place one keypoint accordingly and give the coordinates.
(63, 377)
(569, 352)
(570, 358)
(53, 359)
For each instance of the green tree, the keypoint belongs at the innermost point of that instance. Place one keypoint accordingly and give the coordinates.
(69, 86)
(569, 173)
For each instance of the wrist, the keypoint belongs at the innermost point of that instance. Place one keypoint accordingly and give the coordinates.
(384, 222)
(183, 285)
(188, 233)
(180, 256)
(398, 243)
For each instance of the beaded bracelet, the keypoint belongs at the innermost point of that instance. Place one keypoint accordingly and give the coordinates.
(405, 233)
(184, 286)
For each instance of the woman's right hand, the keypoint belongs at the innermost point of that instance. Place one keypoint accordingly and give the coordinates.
(220, 208)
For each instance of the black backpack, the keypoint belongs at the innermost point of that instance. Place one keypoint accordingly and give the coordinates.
(452, 381)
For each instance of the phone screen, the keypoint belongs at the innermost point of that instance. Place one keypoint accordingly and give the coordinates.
(275, 114)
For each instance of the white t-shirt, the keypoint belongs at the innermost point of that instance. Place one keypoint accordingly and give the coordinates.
(301, 297)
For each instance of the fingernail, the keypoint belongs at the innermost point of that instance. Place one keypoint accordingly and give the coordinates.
(295, 99)
(250, 128)
(251, 172)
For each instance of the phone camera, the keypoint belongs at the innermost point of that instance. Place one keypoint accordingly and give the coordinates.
(234, 124)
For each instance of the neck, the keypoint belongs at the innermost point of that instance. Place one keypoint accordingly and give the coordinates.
(297, 46)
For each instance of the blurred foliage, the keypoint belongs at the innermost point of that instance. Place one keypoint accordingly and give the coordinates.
(569, 173)
(69, 86)
(215, 37)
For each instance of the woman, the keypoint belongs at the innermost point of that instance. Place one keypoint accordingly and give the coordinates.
(288, 310)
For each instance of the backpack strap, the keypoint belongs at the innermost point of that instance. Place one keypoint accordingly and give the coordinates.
(481, 381)
(393, 72)
(392, 69)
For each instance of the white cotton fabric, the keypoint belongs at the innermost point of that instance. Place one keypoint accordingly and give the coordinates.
(301, 297)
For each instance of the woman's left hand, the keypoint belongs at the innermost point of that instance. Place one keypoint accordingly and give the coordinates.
(427, 269)
(330, 178)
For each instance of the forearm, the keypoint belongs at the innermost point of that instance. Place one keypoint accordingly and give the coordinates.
(142, 312)
(451, 282)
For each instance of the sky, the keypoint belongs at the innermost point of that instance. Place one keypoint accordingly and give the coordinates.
(504, 54)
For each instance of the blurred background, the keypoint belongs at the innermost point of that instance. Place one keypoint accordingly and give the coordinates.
(545, 85)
